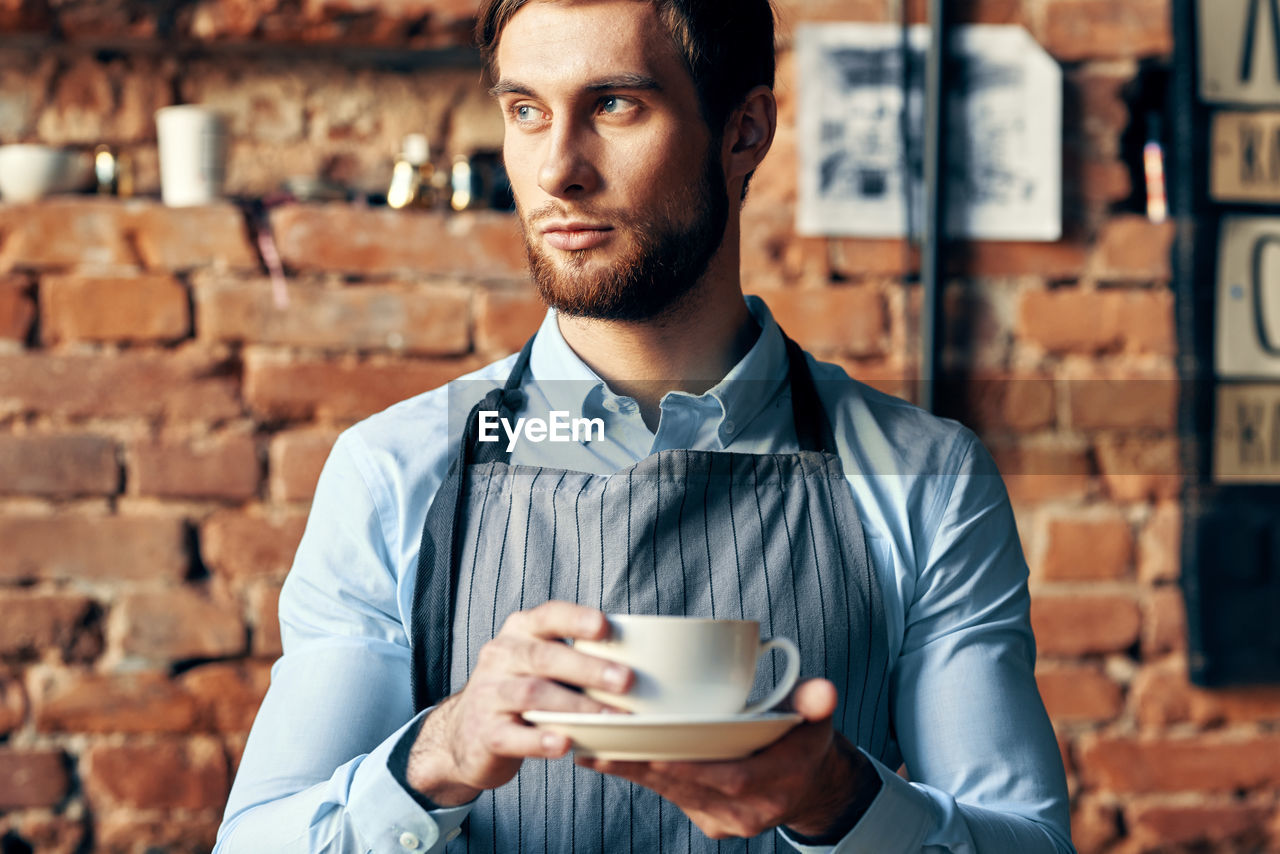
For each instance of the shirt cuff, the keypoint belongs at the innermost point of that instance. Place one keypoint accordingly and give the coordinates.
(387, 817)
(897, 822)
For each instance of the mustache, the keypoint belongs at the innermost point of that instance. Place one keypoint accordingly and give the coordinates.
(555, 210)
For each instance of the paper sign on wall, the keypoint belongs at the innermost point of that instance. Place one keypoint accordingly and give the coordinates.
(1248, 298)
(1246, 447)
(861, 92)
(1239, 61)
(1245, 163)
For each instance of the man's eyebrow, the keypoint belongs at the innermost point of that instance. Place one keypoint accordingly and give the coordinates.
(626, 80)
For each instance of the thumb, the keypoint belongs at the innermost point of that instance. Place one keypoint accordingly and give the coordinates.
(814, 700)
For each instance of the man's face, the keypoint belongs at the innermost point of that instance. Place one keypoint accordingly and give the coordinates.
(617, 179)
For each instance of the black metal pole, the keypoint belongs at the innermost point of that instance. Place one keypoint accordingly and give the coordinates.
(932, 272)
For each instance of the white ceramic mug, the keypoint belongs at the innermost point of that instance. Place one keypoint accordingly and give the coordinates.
(690, 665)
(193, 153)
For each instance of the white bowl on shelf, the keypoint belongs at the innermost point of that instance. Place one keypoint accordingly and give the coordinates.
(30, 172)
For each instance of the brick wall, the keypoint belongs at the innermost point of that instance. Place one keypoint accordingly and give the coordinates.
(162, 424)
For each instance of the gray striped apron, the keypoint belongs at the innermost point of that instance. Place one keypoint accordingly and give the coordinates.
(768, 537)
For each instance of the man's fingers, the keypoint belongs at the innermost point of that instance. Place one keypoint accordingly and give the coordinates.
(814, 700)
(556, 619)
(520, 655)
(518, 741)
(525, 693)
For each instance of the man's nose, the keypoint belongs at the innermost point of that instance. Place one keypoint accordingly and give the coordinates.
(567, 170)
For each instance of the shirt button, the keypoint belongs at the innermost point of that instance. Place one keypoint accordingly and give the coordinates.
(409, 841)
(729, 426)
(453, 834)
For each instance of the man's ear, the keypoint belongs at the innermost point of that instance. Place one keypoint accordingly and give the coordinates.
(749, 133)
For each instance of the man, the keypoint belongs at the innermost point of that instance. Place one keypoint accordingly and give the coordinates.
(875, 535)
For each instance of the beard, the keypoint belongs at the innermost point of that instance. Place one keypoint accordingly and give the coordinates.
(660, 269)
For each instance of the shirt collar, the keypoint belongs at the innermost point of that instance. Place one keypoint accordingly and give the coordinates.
(752, 383)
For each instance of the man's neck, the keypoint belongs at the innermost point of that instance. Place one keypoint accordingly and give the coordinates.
(689, 349)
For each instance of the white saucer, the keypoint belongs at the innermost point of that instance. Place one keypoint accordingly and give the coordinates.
(666, 738)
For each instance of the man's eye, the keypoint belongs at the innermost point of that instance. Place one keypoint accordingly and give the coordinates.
(614, 104)
(526, 113)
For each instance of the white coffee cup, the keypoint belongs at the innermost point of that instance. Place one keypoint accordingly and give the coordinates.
(193, 153)
(690, 665)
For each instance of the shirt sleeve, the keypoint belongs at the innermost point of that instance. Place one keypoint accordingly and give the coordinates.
(316, 775)
(986, 773)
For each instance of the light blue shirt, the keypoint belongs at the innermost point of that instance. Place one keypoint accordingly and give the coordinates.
(985, 771)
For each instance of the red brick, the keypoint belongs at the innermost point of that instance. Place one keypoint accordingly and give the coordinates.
(177, 833)
(45, 833)
(1201, 763)
(856, 258)
(106, 101)
(1095, 321)
(1215, 825)
(264, 620)
(1057, 261)
(58, 466)
(1076, 694)
(138, 702)
(989, 401)
(1131, 248)
(138, 307)
(971, 12)
(1164, 622)
(1094, 824)
(65, 233)
(13, 705)
(848, 319)
(177, 624)
(1105, 29)
(280, 386)
(92, 548)
(228, 695)
(163, 774)
(872, 11)
(506, 318)
(433, 320)
(1095, 100)
(1074, 625)
(1123, 402)
(370, 241)
(31, 623)
(17, 308)
(295, 459)
(1040, 471)
(1163, 695)
(181, 385)
(225, 467)
(1140, 468)
(1105, 181)
(178, 239)
(1160, 544)
(32, 778)
(23, 16)
(237, 545)
(1089, 548)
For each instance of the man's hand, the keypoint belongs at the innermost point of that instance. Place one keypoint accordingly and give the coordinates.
(811, 780)
(475, 739)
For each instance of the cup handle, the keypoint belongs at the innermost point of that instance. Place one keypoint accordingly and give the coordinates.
(789, 676)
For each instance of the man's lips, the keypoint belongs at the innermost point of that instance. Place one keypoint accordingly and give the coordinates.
(572, 236)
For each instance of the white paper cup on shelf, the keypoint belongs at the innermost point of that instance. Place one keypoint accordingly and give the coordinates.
(193, 154)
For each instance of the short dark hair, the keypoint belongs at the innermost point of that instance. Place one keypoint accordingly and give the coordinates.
(727, 46)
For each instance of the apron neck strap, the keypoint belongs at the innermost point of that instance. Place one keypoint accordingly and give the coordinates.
(813, 429)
